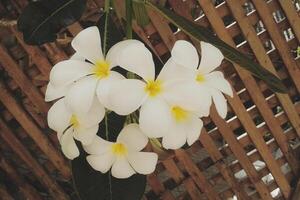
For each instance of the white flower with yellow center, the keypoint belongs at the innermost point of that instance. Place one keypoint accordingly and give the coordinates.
(88, 73)
(123, 157)
(69, 125)
(185, 127)
(202, 76)
(152, 94)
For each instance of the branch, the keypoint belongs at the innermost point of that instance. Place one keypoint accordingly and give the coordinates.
(7, 22)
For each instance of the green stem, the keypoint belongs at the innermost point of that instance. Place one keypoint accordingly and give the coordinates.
(129, 19)
(106, 10)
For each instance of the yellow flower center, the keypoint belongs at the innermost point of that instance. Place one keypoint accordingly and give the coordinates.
(101, 69)
(179, 113)
(119, 149)
(153, 88)
(200, 78)
(74, 121)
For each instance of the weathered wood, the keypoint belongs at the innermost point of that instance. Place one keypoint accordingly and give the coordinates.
(279, 41)
(7, 135)
(27, 190)
(264, 109)
(23, 82)
(196, 175)
(226, 172)
(292, 15)
(33, 131)
(4, 194)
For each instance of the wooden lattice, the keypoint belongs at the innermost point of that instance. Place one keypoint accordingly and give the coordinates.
(233, 157)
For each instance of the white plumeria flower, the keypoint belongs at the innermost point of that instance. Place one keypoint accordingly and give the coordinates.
(154, 96)
(123, 157)
(185, 126)
(83, 79)
(68, 125)
(185, 55)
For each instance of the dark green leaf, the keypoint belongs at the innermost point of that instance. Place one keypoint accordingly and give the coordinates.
(202, 34)
(140, 14)
(41, 20)
(128, 6)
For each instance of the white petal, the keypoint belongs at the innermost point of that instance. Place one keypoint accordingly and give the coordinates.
(86, 135)
(185, 54)
(59, 134)
(76, 56)
(101, 162)
(211, 58)
(216, 80)
(68, 145)
(121, 168)
(59, 116)
(220, 102)
(68, 71)
(104, 85)
(127, 95)
(98, 146)
(176, 137)
(138, 59)
(155, 117)
(194, 127)
(114, 52)
(81, 95)
(190, 95)
(53, 93)
(133, 137)
(94, 116)
(143, 162)
(88, 44)
(174, 72)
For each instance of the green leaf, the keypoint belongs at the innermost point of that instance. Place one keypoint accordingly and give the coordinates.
(140, 14)
(128, 19)
(41, 20)
(200, 33)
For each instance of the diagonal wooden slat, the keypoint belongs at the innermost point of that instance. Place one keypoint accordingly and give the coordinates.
(27, 190)
(279, 41)
(55, 190)
(33, 131)
(264, 109)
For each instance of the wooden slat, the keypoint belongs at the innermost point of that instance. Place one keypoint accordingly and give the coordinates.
(192, 189)
(258, 98)
(177, 176)
(239, 153)
(226, 172)
(196, 175)
(23, 82)
(4, 194)
(255, 93)
(163, 28)
(159, 188)
(33, 131)
(279, 41)
(27, 190)
(292, 15)
(35, 54)
(7, 135)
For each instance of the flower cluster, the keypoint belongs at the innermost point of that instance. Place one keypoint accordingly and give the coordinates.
(170, 105)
